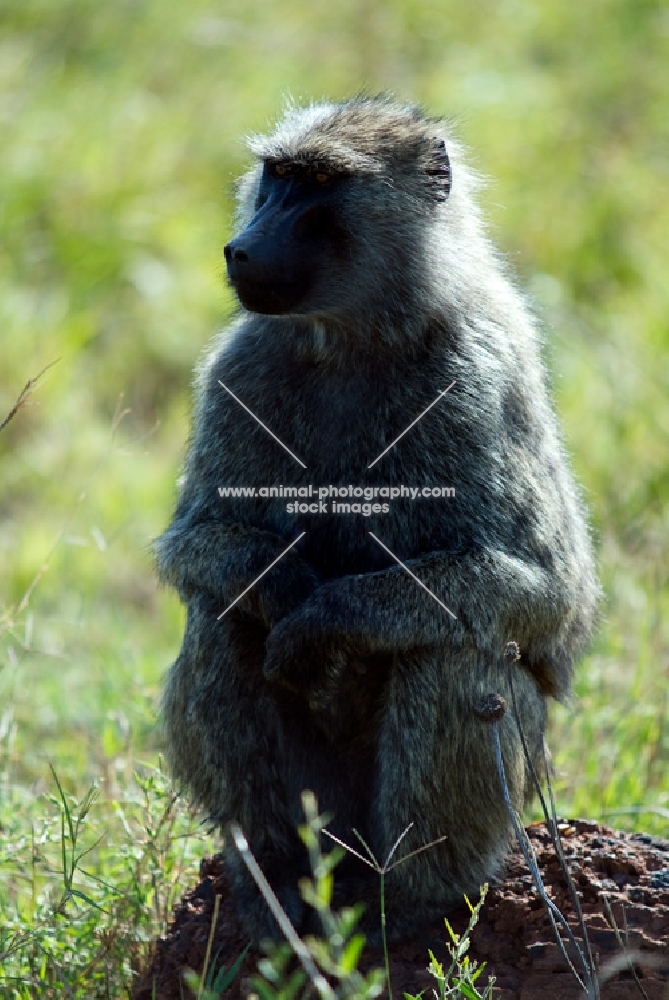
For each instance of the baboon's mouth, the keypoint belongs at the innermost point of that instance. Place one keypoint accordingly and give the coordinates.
(269, 298)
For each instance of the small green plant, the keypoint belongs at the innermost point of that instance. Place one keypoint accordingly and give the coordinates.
(459, 979)
(382, 870)
(82, 897)
(329, 965)
(213, 983)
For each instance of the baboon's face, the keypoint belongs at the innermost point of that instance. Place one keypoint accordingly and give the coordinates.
(295, 246)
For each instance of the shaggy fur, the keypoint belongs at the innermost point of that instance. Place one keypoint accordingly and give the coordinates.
(337, 672)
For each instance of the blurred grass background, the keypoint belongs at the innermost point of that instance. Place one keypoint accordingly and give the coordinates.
(121, 128)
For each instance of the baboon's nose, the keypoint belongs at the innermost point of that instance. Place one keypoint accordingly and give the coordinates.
(236, 255)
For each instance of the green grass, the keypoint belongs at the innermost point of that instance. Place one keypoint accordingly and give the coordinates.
(120, 141)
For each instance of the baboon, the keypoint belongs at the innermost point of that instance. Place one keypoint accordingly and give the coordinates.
(367, 286)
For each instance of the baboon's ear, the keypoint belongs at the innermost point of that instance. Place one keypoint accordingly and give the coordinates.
(438, 170)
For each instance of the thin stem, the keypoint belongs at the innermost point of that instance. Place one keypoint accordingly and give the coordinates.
(318, 980)
(531, 862)
(550, 817)
(384, 938)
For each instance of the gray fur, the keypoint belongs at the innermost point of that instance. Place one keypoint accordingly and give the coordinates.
(337, 672)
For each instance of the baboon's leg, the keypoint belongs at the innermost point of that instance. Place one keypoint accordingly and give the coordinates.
(436, 769)
(227, 745)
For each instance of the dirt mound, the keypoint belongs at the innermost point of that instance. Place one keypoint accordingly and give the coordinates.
(630, 872)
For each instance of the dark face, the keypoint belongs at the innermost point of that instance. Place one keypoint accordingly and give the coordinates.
(277, 264)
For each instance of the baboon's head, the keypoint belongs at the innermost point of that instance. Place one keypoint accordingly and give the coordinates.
(336, 212)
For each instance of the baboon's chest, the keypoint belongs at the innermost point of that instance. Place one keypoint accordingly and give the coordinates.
(358, 469)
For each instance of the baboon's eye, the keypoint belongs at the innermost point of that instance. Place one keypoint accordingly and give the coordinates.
(282, 170)
(321, 173)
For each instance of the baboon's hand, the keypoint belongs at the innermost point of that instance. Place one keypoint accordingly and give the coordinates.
(308, 660)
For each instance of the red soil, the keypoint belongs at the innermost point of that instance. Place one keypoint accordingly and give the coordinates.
(513, 936)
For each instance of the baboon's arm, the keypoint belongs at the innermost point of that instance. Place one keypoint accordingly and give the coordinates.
(224, 559)
(494, 596)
